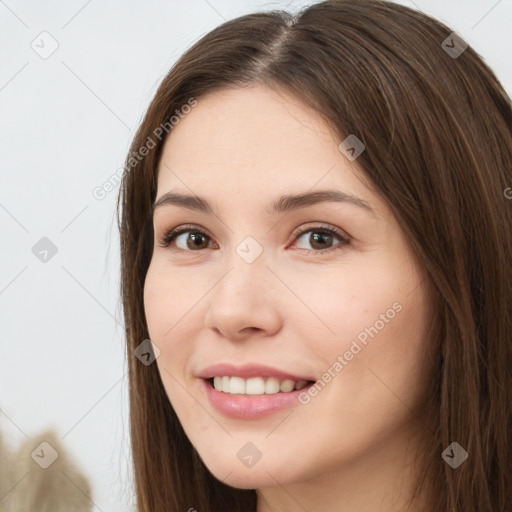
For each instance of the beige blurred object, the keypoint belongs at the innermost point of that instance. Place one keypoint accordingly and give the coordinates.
(42, 477)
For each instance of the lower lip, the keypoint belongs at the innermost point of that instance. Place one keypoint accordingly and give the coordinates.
(250, 407)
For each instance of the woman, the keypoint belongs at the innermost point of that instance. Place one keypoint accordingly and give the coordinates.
(315, 237)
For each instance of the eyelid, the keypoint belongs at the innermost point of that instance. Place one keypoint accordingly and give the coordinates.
(319, 225)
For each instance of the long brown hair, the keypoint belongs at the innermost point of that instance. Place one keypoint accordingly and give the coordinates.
(437, 128)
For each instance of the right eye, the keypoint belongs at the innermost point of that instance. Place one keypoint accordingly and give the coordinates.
(192, 242)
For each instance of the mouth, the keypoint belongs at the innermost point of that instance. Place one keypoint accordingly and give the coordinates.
(253, 398)
(256, 385)
(251, 390)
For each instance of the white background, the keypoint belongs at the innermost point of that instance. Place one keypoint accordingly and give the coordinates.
(65, 128)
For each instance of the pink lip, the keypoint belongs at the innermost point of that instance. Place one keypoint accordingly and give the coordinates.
(247, 371)
(250, 407)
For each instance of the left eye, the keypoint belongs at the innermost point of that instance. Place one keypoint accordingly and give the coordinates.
(320, 237)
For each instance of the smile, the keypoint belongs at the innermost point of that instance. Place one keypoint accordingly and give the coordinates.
(254, 406)
(256, 385)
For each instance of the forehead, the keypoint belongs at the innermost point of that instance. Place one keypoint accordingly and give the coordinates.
(254, 142)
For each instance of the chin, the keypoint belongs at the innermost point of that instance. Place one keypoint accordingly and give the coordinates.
(247, 479)
(234, 473)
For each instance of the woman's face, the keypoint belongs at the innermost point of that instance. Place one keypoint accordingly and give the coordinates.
(242, 287)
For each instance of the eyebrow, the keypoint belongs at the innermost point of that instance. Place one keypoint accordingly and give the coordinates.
(284, 204)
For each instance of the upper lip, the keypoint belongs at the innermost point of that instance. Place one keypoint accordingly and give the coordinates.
(248, 370)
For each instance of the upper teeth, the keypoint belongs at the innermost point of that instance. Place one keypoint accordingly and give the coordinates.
(255, 385)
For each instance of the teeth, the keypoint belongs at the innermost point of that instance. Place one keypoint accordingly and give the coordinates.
(237, 386)
(272, 386)
(256, 385)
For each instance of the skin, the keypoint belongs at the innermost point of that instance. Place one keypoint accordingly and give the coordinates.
(353, 445)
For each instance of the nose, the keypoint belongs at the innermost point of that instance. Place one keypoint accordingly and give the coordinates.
(244, 302)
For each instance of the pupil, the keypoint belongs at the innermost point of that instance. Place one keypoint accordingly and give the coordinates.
(196, 239)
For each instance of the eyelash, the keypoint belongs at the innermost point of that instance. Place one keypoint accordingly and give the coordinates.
(171, 235)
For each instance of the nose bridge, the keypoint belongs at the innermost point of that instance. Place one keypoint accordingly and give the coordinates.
(240, 299)
(246, 270)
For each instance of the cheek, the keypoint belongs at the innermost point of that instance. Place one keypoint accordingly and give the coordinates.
(341, 303)
(167, 297)
(383, 338)
(166, 304)
(374, 314)
(169, 328)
